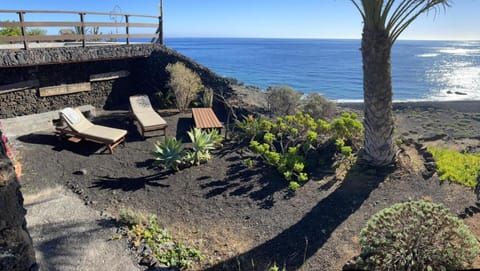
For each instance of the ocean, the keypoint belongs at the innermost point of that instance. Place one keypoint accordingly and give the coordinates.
(421, 70)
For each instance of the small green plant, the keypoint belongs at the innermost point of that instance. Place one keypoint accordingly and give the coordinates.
(282, 100)
(249, 162)
(399, 142)
(416, 235)
(185, 84)
(203, 143)
(130, 218)
(207, 97)
(275, 267)
(217, 137)
(165, 99)
(457, 167)
(169, 153)
(166, 250)
(344, 150)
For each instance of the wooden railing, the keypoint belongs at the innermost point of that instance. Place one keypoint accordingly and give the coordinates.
(81, 25)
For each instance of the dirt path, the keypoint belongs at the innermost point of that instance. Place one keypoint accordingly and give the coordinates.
(68, 235)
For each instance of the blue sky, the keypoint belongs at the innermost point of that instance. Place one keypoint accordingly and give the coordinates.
(271, 18)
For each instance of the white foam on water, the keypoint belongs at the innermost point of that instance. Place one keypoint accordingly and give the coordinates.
(428, 55)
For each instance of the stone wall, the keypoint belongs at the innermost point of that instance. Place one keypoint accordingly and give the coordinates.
(59, 66)
(45, 56)
(16, 249)
(108, 94)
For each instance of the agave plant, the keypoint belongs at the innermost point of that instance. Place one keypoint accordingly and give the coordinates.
(203, 142)
(169, 153)
(216, 137)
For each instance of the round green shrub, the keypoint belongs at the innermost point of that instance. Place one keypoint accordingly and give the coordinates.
(416, 235)
(282, 100)
(318, 107)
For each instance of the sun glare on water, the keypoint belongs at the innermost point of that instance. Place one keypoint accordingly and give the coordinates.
(456, 74)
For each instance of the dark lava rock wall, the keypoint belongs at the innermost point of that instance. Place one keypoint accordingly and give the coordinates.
(16, 249)
(108, 94)
(70, 65)
(44, 56)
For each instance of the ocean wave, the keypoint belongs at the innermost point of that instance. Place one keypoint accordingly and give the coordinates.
(428, 55)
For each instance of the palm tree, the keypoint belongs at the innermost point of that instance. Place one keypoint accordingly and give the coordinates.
(383, 22)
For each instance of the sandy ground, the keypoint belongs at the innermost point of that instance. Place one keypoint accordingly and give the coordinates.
(68, 235)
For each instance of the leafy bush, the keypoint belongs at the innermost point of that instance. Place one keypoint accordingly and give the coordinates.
(207, 97)
(416, 236)
(17, 31)
(184, 83)
(251, 128)
(348, 128)
(290, 164)
(285, 145)
(457, 167)
(164, 248)
(282, 100)
(318, 107)
(286, 142)
(169, 153)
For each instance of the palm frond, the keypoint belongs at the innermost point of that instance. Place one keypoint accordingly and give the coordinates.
(395, 16)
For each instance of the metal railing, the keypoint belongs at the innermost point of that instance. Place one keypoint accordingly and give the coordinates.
(81, 26)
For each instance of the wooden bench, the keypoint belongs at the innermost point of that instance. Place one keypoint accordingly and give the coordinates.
(205, 118)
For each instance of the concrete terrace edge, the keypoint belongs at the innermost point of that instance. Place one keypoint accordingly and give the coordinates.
(23, 125)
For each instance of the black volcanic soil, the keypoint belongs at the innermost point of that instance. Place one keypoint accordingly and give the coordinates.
(237, 215)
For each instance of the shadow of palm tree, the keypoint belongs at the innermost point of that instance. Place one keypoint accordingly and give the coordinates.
(64, 244)
(258, 183)
(130, 184)
(289, 247)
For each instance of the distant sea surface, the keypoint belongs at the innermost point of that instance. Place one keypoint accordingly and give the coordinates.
(422, 70)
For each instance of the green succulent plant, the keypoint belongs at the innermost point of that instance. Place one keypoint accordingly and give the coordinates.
(169, 153)
(203, 143)
(416, 235)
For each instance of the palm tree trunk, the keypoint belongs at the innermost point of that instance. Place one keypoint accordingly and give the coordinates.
(379, 149)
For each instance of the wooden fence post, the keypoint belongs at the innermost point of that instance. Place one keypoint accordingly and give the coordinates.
(82, 20)
(126, 29)
(160, 24)
(24, 32)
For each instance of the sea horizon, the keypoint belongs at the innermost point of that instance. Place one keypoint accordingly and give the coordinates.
(308, 38)
(422, 70)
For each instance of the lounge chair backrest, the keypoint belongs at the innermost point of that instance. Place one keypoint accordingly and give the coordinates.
(140, 103)
(75, 119)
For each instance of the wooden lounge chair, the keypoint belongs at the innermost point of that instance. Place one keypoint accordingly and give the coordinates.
(79, 128)
(149, 120)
